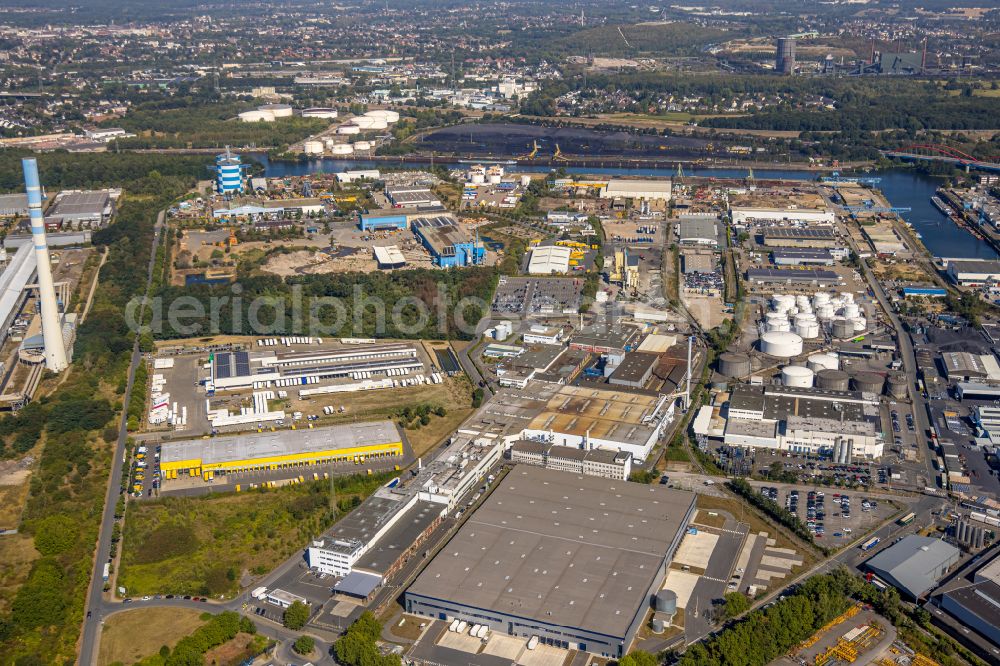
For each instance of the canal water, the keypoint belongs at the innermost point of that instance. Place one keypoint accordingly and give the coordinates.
(904, 188)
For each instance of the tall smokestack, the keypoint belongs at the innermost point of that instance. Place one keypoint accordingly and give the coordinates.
(55, 350)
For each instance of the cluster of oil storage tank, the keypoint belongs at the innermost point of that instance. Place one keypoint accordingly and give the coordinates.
(823, 371)
(379, 119)
(804, 316)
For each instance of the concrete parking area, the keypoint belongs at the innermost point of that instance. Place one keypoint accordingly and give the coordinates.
(836, 517)
(437, 645)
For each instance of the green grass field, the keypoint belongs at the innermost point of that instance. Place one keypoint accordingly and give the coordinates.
(204, 545)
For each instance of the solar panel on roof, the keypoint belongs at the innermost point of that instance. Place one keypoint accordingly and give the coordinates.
(242, 364)
(223, 366)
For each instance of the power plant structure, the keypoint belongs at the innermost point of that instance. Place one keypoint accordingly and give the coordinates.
(52, 329)
(784, 61)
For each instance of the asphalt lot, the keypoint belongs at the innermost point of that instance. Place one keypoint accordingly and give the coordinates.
(712, 585)
(837, 530)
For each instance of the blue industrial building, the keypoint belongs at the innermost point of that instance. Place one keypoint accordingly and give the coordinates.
(384, 218)
(449, 244)
(930, 292)
(229, 172)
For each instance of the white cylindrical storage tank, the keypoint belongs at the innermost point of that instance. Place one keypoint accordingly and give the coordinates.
(851, 310)
(364, 122)
(329, 143)
(848, 297)
(319, 112)
(802, 302)
(775, 316)
(797, 376)
(312, 147)
(782, 325)
(495, 178)
(822, 298)
(256, 116)
(818, 362)
(277, 110)
(478, 178)
(825, 311)
(348, 129)
(384, 114)
(860, 324)
(378, 124)
(805, 318)
(781, 344)
(808, 330)
(362, 145)
(342, 149)
(525, 181)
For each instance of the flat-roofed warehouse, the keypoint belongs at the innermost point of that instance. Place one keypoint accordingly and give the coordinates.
(14, 205)
(80, 209)
(281, 449)
(650, 190)
(973, 272)
(814, 277)
(790, 256)
(586, 417)
(799, 237)
(699, 231)
(569, 558)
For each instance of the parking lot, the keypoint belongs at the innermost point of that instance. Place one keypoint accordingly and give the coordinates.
(523, 297)
(834, 517)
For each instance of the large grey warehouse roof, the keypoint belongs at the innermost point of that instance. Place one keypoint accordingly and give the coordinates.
(798, 232)
(231, 448)
(915, 563)
(561, 549)
(791, 275)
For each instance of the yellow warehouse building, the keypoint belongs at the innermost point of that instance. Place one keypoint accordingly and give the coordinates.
(280, 449)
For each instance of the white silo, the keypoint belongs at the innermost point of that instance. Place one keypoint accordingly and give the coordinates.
(797, 376)
(52, 334)
(384, 115)
(477, 178)
(807, 330)
(277, 110)
(781, 344)
(256, 116)
(827, 361)
(312, 147)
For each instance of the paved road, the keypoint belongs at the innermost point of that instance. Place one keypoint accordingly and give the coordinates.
(94, 603)
(918, 405)
(471, 369)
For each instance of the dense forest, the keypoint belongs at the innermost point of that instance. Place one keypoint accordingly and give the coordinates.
(406, 304)
(75, 422)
